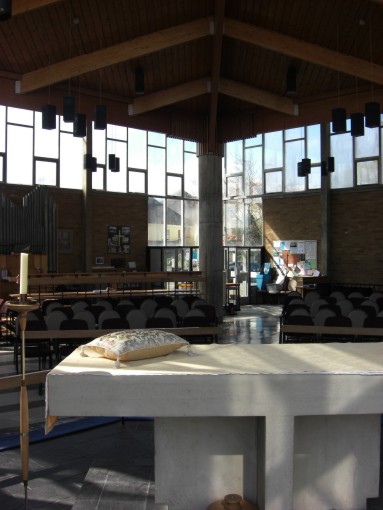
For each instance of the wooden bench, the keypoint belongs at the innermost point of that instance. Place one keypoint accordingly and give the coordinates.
(330, 331)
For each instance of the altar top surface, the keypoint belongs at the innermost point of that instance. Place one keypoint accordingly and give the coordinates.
(223, 380)
(332, 358)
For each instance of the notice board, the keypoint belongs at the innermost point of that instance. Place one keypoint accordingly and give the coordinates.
(296, 255)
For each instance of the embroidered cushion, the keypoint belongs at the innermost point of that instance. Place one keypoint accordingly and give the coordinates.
(134, 344)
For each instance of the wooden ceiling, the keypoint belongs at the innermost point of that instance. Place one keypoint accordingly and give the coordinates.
(210, 58)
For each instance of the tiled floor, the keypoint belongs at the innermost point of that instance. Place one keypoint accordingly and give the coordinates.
(110, 467)
(104, 468)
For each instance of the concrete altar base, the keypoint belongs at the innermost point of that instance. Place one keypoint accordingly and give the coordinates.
(301, 463)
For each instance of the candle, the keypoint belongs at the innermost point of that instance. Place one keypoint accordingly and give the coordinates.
(23, 273)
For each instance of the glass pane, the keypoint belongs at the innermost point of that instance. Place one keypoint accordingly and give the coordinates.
(250, 142)
(170, 260)
(253, 171)
(19, 155)
(66, 126)
(234, 186)
(116, 181)
(117, 132)
(190, 146)
(136, 182)
(174, 186)
(98, 178)
(234, 157)
(1, 167)
(367, 172)
(273, 182)
(72, 150)
(234, 213)
(99, 145)
(315, 178)
(341, 150)
(273, 150)
(158, 139)
(156, 171)
(367, 146)
(174, 156)
(156, 221)
(253, 222)
(242, 272)
(191, 223)
(137, 148)
(191, 175)
(294, 154)
(295, 133)
(46, 140)
(174, 222)
(2, 128)
(195, 259)
(46, 172)
(20, 116)
(314, 143)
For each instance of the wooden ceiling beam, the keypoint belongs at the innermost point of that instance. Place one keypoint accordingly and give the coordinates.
(22, 6)
(115, 54)
(169, 96)
(216, 70)
(297, 48)
(259, 97)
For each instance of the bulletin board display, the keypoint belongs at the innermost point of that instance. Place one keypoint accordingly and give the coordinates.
(296, 255)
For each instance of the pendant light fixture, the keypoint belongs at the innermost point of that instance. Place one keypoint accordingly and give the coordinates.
(372, 109)
(357, 124)
(48, 116)
(69, 108)
(5, 9)
(291, 80)
(139, 83)
(90, 163)
(338, 115)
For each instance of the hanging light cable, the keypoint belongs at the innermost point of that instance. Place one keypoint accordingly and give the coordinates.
(372, 109)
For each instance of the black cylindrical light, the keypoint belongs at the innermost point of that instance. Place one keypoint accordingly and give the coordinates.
(372, 113)
(48, 116)
(357, 124)
(100, 116)
(79, 125)
(291, 80)
(306, 166)
(90, 163)
(139, 83)
(323, 168)
(331, 164)
(339, 120)
(5, 9)
(69, 108)
(300, 169)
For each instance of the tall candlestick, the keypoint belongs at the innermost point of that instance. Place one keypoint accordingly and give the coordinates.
(23, 273)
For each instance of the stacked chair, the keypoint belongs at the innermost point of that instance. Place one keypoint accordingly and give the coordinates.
(338, 309)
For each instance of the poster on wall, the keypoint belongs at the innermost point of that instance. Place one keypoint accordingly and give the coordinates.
(296, 256)
(118, 239)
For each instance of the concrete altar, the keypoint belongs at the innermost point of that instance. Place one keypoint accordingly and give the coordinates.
(287, 426)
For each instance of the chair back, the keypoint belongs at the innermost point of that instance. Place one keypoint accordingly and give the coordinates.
(149, 307)
(182, 307)
(79, 305)
(87, 316)
(107, 314)
(345, 306)
(73, 324)
(55, 318)
(159, 322)
(105, 303)
(167, 313)
(115, 323)
(136, 319)
(322, 315)
(357, 317)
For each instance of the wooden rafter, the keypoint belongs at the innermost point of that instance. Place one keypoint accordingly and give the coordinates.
(302, 50)
(169, 96)
(22, 6)
(216, 69)
(258, 97)
(122, 52)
